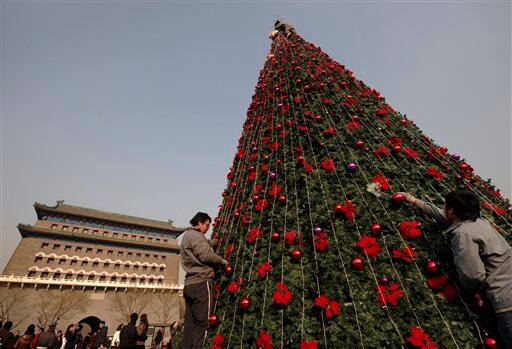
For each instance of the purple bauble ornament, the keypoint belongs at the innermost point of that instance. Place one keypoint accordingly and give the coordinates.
(254, 149)
(280, 105)
(458, 178)
(456, 157)
(317, 230)
(383, 281)
(351, 167)
(272, 175)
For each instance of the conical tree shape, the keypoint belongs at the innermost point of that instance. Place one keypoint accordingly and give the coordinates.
(319, 159)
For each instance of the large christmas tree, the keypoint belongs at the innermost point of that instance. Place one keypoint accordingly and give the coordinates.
(322, 250)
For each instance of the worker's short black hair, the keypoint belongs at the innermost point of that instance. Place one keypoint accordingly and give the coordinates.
(200, 217)
(8, 325)
(134, 317)
(277, 22)
(465, 204)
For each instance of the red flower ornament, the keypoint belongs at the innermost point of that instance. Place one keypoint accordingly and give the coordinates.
(282, 295)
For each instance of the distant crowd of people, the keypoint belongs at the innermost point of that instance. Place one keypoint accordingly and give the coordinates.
(130, 336)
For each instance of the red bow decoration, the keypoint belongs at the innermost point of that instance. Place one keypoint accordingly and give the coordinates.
(381, 181)
(263, 270)
(328, 165)
(264, 341)
(420, 339)
(330, 307)
(282, 295)
(435, 173)
(368, 244)
(409, 229)
(253, 234)
(217, 341)
(407, 254)
(389, 294)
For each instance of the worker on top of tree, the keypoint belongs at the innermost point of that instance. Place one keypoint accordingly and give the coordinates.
(281, 27)
(482, 256)
(198, 260)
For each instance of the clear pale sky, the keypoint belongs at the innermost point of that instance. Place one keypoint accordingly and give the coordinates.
(136, 107)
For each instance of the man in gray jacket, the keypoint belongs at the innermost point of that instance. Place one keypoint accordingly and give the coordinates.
(482, 256)
(198, 260)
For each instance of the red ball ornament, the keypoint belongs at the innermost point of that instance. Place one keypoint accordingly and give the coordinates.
(375, 228)
(490, 343)
(266, 158)
(432, 267)
(398, 198)
(237, 214)
(397, 149)
(282, 199)
(359, 144)
(318, 118)
(252, 168)
(479, 302)
(355, 118)
(279, 127)
(244, 303)
(338, 209)
(275, 237)
(256, 198)
(296, 255)
(300, 159)
(403, 122)
(357, 263)
(233, 184)
(228, 270)
(213, 320)
(464, 166)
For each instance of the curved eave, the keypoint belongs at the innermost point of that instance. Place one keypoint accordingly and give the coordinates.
(77, 211)
(28, 230)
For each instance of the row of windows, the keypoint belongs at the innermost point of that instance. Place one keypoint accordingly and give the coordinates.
(108, 252)
(59, 276)
(106, 233)
(95, 264)
(104, 225)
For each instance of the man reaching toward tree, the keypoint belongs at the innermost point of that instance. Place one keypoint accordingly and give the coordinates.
(482, 256)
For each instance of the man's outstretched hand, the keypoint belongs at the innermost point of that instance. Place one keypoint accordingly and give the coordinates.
(409, 198)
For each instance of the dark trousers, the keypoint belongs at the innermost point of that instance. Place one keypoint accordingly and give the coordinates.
(198, 304)
(504, 321)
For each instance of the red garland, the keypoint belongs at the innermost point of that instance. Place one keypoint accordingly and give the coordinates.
(369, 245)
(389, 294)
(263, 270)
(410, 229)
(330, 307)
(407, 254)
(381, 181)
(282, 295)
(327, 165)
(308, 345)
(420, 339)
(264, 341)
(217, 341)
(253, 234)
(495, 208)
